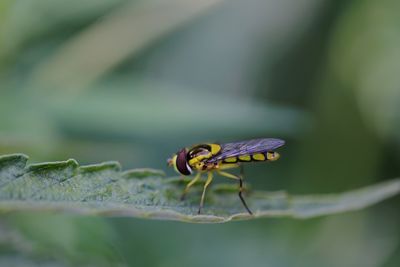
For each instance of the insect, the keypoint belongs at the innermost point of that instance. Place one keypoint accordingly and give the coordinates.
(212, 158)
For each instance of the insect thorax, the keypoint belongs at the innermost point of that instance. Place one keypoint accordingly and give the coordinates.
(198, 155)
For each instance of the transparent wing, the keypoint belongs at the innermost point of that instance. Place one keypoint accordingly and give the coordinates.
(249, 147)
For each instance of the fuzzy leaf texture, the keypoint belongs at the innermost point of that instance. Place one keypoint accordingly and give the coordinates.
(104, 189)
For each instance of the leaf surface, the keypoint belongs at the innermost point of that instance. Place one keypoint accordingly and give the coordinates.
(104, 189)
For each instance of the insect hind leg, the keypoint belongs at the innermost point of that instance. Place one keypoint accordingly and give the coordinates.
(241, 188)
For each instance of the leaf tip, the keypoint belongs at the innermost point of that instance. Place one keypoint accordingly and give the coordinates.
(58, 170)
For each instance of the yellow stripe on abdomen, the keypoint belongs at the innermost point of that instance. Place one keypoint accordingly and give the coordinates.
(258, 157)
(230, 160)
(245, 158)
(268, 156)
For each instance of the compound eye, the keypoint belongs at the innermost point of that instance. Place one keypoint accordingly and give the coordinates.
(182, 164)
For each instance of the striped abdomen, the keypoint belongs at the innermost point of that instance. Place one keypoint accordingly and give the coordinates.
(267, 156)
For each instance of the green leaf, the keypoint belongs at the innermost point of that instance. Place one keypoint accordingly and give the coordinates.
(103, 189)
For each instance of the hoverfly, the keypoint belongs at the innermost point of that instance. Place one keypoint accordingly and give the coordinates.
(209, 158)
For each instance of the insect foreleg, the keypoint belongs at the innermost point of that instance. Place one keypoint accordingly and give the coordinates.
(192, 182)
(208, 182)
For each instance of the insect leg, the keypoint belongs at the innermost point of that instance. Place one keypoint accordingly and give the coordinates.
(240, 178)
(241, 190)
(241, 171)
(192, 182)
(208, 182)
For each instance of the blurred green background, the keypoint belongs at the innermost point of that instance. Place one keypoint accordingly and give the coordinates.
(134, 81)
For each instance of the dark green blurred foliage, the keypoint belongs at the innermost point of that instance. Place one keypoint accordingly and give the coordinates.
(134, 81)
